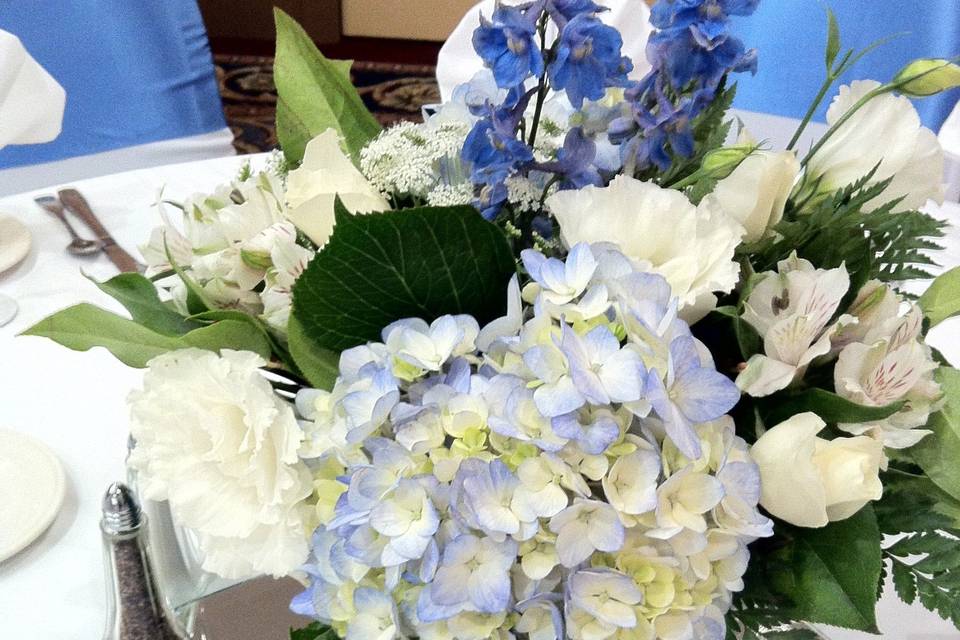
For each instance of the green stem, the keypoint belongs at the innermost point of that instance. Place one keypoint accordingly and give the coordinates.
(843, 120)
(813, 109)
(542, 88)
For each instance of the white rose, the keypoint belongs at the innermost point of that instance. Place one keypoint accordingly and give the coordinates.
(692, 247)
(808, 481)
(756, 193)
(214, 440)
(324, 174)
(886, 131)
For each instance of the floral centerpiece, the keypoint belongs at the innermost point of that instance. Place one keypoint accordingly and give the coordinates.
(569, 359)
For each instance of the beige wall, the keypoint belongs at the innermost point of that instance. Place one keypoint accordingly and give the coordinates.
(409, 19)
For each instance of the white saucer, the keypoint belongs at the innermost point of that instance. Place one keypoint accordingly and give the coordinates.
(32, 487)
(14, 242)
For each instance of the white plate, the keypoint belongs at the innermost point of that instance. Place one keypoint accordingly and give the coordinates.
(32, 486)
(14, 242)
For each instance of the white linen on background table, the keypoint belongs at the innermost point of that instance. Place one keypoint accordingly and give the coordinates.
(76, 404)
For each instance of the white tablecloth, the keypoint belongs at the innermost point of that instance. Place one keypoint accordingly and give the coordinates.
(75, 403)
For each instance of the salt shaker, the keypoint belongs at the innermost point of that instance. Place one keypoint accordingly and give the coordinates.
(135, 607)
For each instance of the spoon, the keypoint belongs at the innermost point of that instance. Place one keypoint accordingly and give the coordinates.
(78, 246)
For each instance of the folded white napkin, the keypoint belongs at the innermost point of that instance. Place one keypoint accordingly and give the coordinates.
(950, 141)
(458, 62)
(31, 101)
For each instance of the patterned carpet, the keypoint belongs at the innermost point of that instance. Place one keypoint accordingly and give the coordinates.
(392, 92)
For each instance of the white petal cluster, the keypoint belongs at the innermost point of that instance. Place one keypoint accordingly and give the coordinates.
(692, 247)
(417, 159)
(885, 360)
(567, 471)
(214, 440)
(237, 245)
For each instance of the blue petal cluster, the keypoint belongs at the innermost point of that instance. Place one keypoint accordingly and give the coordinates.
(533, 476)
(691, 53)
(583, 62)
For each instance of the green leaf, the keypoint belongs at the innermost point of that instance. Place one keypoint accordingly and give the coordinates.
(314, 631)
(84, 326)
(315, 94)
(748, 339)
(939, 453)
(829, 406)
(139, 296)
(415, 263)
(318, 365)
(831, 573)
(942, 299)
(833, 39)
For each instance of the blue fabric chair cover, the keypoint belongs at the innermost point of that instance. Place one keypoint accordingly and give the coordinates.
(791, 35)
(134, 72)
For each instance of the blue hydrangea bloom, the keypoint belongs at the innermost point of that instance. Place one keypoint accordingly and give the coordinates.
(588, 60)
(507, 44)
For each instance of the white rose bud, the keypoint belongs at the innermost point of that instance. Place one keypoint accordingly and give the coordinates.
(757, 190)
(325, 174)
(808, 481)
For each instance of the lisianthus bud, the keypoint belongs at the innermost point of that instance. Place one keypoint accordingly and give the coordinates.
(755, 190)
(808, 481)
(927, 77)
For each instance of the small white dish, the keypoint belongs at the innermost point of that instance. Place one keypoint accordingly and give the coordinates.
(32, 488)
(14, 242)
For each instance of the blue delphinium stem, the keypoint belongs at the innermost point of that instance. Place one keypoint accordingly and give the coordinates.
(543, 87)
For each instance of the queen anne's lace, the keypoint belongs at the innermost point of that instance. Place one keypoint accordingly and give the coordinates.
(568, 471)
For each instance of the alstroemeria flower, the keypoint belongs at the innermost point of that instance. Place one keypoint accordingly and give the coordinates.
(888, 369)
(791, 309)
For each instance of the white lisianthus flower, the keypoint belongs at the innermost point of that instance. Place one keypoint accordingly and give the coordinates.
(692, 247)
(887, 367)
(808, 481)
(886, 131)
(325, 173)
(791, 310)
(214, 440)
(756, 193)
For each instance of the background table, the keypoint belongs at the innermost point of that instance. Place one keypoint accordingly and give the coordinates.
(76, 404)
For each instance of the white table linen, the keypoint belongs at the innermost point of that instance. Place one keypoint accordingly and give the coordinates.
(76, 404)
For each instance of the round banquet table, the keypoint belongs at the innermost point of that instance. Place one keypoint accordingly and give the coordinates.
(76, 402)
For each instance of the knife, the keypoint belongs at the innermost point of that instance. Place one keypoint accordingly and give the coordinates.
(79, 206)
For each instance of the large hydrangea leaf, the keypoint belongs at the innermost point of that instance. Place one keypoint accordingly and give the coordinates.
(382, 267)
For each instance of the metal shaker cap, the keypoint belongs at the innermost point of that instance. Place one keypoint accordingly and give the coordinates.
(121, 511)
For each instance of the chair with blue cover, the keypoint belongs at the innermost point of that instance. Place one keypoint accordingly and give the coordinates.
(140, 84)
(790, 36)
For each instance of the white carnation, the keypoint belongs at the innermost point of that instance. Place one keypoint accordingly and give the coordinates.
(215, 441)
(692, 247)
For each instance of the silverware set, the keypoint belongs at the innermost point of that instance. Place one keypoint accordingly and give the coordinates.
(71, 200)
